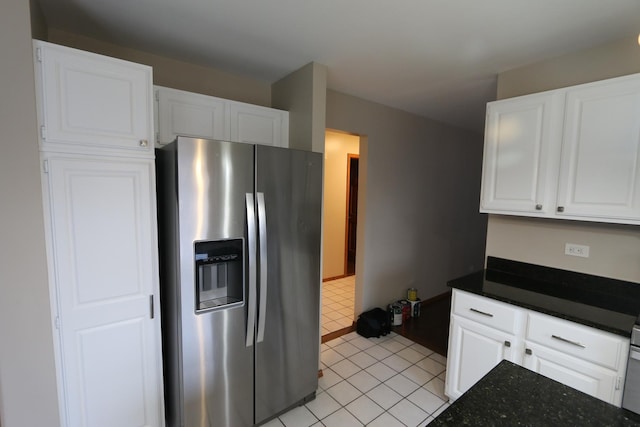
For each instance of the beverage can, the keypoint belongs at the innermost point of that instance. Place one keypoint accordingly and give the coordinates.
(396, 314)
(406, 309)
(415, 308)
(412, 294)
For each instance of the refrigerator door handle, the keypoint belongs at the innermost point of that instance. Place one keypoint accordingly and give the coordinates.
(262, 232)
(251, 248)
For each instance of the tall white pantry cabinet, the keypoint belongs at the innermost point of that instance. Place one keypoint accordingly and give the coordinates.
(98, 177)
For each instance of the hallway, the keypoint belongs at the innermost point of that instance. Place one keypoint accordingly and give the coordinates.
(337, 304)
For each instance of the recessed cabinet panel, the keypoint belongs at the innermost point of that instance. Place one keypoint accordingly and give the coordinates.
(516, 159)
(100, 224)
(93, 101)
(600, 173)
(257, 125)
(112, 375)
(189, 114)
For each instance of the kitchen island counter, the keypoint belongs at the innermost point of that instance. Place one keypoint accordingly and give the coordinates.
(510, 395)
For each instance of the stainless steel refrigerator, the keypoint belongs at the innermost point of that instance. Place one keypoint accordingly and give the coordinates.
(240, 237)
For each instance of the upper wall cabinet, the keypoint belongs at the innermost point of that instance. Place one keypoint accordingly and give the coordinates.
(571, 153)
(202, 116)
(258, 125)
(92, 101)
(600, 163)
(188, 114)
(518, 167)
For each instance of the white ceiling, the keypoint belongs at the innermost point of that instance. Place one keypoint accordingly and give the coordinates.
(435, 58)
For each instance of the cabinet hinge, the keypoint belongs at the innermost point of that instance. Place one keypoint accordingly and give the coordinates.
(157, 95)
(618, 383)
(39, 54)
(45, 166)
(57, 322)
(43, 132)
(151, 308)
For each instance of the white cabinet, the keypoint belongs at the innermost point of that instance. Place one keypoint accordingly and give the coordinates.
(92, 99)
(581, 357)
(101, 233)
(258, 125)
(104, 270)
(589, 378)
(571, 153)
(600, 165)
(201, 116)
(484, 331)
(518, 170)
(189, 114)
(464, 367)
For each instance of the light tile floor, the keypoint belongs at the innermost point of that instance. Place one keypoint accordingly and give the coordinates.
(337, 304)
(386, 382)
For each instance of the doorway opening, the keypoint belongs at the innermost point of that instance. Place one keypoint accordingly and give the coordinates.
(353, 161)
(341, 170)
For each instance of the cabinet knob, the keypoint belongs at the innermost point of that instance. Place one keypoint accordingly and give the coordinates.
(507, 343)
(560, 209)
(538, 207)
(528, 351)
(143, 143)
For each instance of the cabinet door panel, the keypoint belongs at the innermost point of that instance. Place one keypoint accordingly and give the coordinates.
(258, 125)
(600, 169)
(474, 350)
(189, 114)
(587, 377)
(93, 101)
(103, 241)
(519, 135)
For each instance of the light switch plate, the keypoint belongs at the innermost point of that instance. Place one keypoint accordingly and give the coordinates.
(576, 250)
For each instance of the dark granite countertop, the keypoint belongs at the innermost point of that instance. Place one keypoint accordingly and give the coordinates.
(510, 395)
(607, 304)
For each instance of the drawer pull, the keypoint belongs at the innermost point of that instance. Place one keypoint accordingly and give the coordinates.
(528, 351)
(481, 312)
(507, 343)
(577, 344)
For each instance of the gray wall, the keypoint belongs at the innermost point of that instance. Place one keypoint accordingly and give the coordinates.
(614, 249)
(303, 94)
(418, 222)
(173, 73)
(28, 394)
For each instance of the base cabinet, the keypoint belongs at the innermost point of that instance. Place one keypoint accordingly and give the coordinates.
(585, 358)
(587, 377)
(465, 367)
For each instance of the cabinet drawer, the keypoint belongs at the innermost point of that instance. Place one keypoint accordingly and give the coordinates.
(489, 312)
(587, 343)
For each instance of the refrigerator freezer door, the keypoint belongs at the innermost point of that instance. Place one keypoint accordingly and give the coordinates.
(286, 365)
(217, 380)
